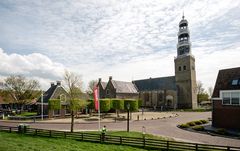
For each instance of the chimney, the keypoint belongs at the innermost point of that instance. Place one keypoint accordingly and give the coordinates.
(110, 78)
(52, 84)
(59, 83)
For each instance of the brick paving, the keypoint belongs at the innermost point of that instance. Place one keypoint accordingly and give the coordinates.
(163, 127)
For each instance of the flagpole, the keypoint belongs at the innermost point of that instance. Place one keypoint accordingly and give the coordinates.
(42, 105)
(99, 118)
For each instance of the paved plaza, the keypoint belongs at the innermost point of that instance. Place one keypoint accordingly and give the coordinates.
(162, 124)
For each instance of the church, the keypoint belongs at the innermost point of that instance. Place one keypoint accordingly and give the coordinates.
(172, 92)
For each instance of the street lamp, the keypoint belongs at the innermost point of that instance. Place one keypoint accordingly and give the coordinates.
(128, 108)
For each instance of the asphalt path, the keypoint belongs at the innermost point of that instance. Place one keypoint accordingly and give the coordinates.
(163, 127)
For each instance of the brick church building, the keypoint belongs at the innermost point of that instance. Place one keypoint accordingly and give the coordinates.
(172, 92)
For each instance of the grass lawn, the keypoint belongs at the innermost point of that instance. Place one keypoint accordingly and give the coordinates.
(17, 142)
(26, 114)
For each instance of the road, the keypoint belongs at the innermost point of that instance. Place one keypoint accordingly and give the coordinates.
(162, 127)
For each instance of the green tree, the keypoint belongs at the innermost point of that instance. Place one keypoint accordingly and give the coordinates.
(118, 104)
(203, 97)
(21, 89)
(73, 85)
(54, 104)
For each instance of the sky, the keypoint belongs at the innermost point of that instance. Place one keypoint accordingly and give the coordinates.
(126, 39)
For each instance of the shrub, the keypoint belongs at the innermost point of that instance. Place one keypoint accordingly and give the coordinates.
(54, 104)
(184, 126)
(105, 105)
(198, 128)
(204, 121)
(198, 122)
(133, 104)
(191, 123)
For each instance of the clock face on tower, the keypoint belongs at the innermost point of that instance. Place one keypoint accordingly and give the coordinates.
(183, 50)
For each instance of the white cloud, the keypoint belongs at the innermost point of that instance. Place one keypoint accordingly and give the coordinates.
(127, 39)
(35, 65)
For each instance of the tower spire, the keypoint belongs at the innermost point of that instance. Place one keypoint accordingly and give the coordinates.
(183, 15)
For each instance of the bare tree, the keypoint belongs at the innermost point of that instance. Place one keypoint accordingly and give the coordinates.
(22, 90)
(210, 91)
(74, 84)
(200, 88)
(91, 86)
(202, 95)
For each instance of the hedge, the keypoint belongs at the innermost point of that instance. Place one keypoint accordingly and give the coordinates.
(140, 103)
(54, 104)
(105, 105)
(133, 104)
(117, 104)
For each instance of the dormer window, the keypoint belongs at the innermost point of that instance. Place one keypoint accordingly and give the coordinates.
(235, 82)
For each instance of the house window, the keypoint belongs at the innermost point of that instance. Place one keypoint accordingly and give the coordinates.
(184, 68)
(107, 92)
(235, 82)
(179, 68)
(230, 97)
(226, 98)
(235, 98)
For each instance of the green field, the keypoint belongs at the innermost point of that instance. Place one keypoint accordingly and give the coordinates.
(17, 142)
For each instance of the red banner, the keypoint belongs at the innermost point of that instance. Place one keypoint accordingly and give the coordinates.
(95, 93)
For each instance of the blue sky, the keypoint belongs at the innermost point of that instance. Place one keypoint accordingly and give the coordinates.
(127, 39)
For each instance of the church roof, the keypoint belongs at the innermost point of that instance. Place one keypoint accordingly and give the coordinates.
(227, 79)
(161, 83)
(124, 87)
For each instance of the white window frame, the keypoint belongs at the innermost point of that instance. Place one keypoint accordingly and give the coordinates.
(229, 91)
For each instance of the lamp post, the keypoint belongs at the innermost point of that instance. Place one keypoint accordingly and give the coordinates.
(128, 108)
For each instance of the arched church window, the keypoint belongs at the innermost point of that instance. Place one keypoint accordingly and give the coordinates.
(179, 68)
(184, 67)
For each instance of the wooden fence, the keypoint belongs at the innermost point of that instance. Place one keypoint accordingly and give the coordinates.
(111, 139)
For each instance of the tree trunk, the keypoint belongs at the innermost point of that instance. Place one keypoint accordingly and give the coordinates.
(72, 120)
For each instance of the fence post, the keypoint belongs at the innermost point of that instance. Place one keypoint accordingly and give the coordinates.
(228, 148)
(10, 130)
(196, 147)
(65, 135)
(50, 133)
(167, 145)
(82, 136)
(144, 142)
(100, 138)
(120, 140)
(35, 131)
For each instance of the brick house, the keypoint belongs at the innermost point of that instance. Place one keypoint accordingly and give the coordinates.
(56, 91)
(117, 89)
(226, 99)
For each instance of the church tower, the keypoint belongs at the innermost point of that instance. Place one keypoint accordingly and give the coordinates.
(185, 74)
